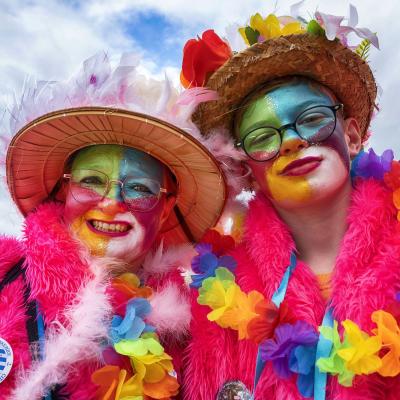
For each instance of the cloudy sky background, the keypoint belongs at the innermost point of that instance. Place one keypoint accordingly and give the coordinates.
(49, 39)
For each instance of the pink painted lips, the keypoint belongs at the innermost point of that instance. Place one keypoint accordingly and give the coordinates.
(109, 228)
(302, 166)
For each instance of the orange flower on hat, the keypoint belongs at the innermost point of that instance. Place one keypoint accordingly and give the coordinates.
(389, 333)
(202, 57)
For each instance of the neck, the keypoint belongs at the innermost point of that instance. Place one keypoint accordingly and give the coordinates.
(318, 229)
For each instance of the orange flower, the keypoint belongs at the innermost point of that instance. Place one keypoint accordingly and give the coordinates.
(110, 380)
(202, 57)
(389, 333)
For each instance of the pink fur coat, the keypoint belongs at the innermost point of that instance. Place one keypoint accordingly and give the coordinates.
(55, 271)
(366, 278)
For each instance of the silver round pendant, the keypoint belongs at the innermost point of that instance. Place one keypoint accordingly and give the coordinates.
(234, 390)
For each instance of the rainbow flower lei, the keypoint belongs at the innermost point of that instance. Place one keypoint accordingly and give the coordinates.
(290, 344)
(137, 366)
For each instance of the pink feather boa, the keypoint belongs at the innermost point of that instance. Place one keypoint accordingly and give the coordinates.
(67, 285)
(365, 279)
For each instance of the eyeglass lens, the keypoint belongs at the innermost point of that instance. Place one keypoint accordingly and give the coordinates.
(313, 125)
(90, 186)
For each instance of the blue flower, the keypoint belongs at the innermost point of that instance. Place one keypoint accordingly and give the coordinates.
(206, 262)
(370, 165)
(302, 362)
(132, 325)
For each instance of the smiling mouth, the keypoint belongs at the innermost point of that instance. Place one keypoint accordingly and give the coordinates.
(109, 228)
(302, 166)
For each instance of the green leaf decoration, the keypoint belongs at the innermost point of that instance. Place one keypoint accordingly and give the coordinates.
(252, 35)
(363, 49)
(315, 28)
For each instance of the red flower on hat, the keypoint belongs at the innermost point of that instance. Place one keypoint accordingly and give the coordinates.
(202, 57)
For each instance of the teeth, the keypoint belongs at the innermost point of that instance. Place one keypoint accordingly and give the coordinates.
(106, 227)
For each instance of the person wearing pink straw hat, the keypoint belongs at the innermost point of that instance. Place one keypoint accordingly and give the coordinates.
(113, 189)
(306, 304)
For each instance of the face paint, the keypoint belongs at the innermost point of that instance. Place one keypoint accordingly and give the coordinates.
(109, 227)
(300, 172)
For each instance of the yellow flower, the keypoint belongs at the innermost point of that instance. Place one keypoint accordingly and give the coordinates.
(389, 333)
(263, 29)
(243, 311)
(361, 354)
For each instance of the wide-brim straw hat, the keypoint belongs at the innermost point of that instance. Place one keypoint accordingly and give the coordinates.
(327, 62)
(38, 153)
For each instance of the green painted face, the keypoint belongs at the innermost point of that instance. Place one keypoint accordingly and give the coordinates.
(300, 173)
(109, 227)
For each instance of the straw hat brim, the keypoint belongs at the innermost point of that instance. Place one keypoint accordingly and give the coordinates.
(328, 62)
(37, 155)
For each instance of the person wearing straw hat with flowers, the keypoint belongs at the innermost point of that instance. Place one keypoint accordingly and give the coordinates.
(306, 304)
(104, 178)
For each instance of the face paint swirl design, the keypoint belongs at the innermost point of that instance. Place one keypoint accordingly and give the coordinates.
(300, 172)
(117, 220)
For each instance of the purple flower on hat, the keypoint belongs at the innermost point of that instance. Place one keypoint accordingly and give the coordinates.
(287, 337)
(132, 325)
(370, 165)
(206, 262)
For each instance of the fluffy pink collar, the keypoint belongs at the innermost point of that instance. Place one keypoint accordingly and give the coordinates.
(367, 271)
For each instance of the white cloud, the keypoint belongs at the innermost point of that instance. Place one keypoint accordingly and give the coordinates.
(49, 39)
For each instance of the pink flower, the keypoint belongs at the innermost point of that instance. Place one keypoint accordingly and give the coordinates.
(334, 28)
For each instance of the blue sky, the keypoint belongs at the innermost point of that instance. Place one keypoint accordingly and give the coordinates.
(49, 39)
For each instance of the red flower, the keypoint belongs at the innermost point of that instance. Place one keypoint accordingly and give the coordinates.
(221, 244)
(392, 178)
(269, 317)
(202, 57)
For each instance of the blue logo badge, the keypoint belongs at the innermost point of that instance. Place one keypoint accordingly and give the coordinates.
(6, 359)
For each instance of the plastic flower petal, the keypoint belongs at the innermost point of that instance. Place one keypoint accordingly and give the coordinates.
(269, 317)
(360, 355)
(205, 264)
(392, 177)
(389, 333)
(302, 362)
(242, 311)
(132, 325)
(334, 364)
(221, 244)
(370, 165)
(111, 381)
(202, 57)
(148, 343)
(287, 337)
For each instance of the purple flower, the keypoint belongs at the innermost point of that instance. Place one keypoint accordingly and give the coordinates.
(370, 165)
(287, 337)
(205, 264)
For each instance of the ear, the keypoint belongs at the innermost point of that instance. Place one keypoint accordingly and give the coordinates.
(352, 134)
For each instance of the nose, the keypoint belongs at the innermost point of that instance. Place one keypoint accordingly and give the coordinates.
(112, 206)
(292, 143)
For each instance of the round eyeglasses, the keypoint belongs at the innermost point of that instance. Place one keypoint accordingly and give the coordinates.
(315, 124)
(91, 186)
